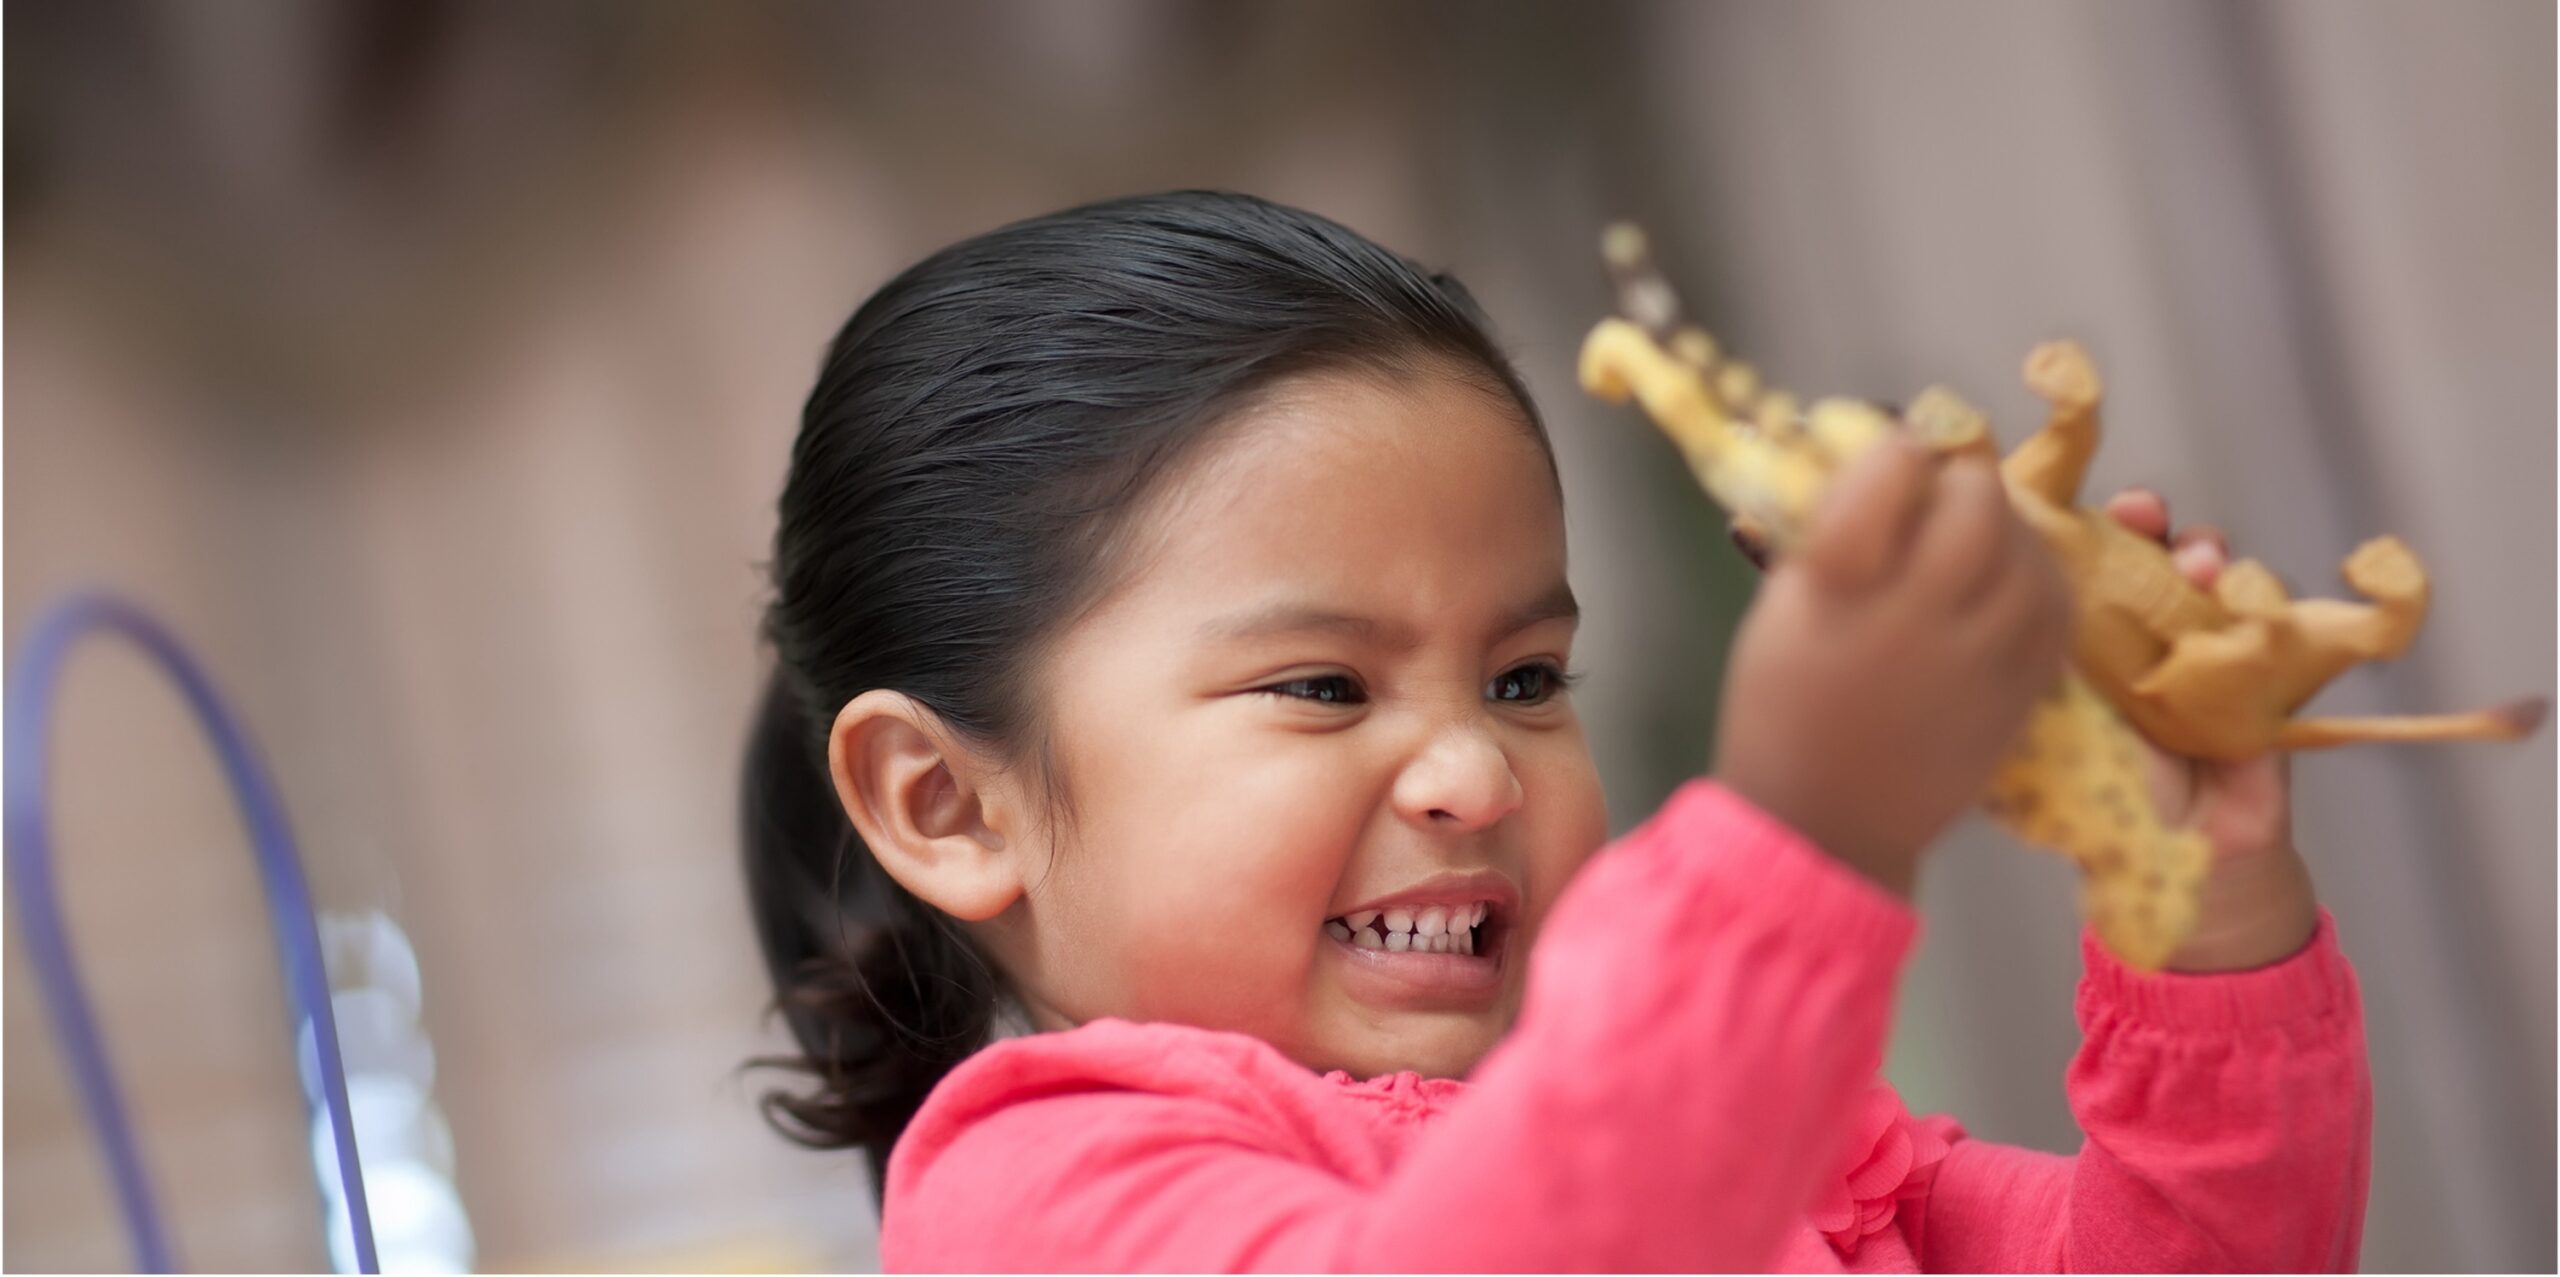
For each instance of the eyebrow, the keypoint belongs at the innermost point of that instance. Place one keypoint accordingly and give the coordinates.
(1288, 617)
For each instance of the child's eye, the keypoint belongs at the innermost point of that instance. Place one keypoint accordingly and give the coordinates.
(1529, 684)
(1327, 689)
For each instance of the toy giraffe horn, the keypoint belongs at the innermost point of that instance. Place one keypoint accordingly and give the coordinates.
(1646, 298)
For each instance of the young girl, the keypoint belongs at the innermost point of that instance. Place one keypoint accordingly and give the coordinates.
(1174, 845)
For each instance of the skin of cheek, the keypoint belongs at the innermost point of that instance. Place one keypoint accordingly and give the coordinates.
(1219, 867)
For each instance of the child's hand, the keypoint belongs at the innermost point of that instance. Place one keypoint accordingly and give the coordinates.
(2258, 906)
(1884, 669)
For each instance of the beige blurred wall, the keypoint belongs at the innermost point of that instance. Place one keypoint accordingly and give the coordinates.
(434, 376)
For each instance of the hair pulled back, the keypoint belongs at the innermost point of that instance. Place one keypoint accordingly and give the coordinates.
(980, 430)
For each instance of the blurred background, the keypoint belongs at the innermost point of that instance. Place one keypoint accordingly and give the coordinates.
(431, 368)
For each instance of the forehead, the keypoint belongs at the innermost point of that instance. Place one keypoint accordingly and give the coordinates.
(1425, 490)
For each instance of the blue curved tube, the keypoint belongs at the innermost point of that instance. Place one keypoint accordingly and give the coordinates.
(297, 935)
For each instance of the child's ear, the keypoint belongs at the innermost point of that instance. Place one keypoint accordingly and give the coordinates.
(923, 804)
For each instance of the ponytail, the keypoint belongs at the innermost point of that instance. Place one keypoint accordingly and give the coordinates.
(882, 991)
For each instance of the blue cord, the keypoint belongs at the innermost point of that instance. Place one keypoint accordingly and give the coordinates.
(30, 712)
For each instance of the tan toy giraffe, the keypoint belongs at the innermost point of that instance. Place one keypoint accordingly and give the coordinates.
(2209, 675)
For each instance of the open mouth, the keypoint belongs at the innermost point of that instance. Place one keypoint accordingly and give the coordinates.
(1464, 929)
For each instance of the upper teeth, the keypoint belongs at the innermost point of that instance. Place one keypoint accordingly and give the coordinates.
(1428, 929)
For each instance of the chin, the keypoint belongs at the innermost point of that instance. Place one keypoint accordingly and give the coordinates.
(1437, 1050)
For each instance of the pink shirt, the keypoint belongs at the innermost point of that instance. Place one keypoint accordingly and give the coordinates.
(1692, 1086)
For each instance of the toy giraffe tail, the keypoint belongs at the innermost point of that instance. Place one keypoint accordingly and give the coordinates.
(2511, 721)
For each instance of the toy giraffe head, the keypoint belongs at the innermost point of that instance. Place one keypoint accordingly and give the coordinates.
(1761, 456)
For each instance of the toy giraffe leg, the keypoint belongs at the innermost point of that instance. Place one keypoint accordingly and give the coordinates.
(2052, 462)
(2294, 647)
(2313, 641)
(2338, 634)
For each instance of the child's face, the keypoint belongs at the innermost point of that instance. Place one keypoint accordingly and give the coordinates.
(1325, 686)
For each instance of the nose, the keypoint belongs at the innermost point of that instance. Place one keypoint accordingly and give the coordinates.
(1461, 781)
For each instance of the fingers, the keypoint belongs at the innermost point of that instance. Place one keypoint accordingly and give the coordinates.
(2141, 511)
(2030, 614)
(1970, 537)
(2025, 609)
(1866, 518)
(2199, 552)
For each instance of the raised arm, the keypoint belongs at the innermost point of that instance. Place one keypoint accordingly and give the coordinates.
(2228, 1122)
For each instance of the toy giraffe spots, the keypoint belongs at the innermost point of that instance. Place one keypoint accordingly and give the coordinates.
(2207, 674)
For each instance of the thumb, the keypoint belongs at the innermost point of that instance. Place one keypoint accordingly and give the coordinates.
(1867, 518)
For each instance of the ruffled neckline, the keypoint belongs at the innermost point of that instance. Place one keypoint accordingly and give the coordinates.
(1407, 1084)
(1892, 1158)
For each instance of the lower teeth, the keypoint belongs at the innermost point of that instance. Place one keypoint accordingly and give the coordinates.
(1457, 942)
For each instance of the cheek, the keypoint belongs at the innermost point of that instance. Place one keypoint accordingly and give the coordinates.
(1209, 858)
(1568, 816)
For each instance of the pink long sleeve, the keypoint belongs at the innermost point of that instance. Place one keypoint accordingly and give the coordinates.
(2228, 1123)
(1711, 984)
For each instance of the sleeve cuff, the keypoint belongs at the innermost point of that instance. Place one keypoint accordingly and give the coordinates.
(2312, 984)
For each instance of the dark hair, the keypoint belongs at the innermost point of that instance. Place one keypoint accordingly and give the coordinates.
(980, 430)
